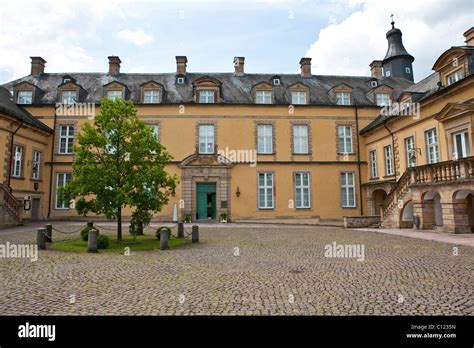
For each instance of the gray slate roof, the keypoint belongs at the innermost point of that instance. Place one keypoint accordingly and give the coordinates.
(235, 89)
(8, 107)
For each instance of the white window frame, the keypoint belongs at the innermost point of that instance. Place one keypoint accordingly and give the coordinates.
(346, 189)
(344, 139)
(36, 174)
(67, 139)
(17, 161)
(66, 178)
(300, 139)
(464, 144)
(374, 173)
(180, 80)
(409, 149)
(206, 138)
(407, 70)
(304, 190)
(432, 145)
(343, 98)
(265, 139)
(382, 99)
(455, 77)
(25, 97)
(263, 97)
(388, 156)
(298, 97)
(114, 94)
(69, 97)
(388, 73)
(276, 82)
(151, 96)
(206, 96)
(266, 189)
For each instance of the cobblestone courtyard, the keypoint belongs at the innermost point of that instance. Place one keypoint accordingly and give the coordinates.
(277, 271)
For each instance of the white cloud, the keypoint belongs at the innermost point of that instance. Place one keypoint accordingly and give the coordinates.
(137, 37)
(429, 28)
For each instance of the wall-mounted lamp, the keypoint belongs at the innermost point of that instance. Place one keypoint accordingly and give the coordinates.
(237, 193)
(173, 193)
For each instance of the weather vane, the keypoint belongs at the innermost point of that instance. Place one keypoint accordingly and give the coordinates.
(392, 23)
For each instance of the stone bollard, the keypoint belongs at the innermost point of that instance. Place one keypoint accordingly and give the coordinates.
(49, 233)
(41, 238)
(180, 230)
(164, 239)
(92, 241)
(195, 234)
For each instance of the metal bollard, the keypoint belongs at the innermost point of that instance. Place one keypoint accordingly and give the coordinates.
(164, 239)
(92, 241)
(180, 230)
(195, 234)
(41, 238)
(49, 233)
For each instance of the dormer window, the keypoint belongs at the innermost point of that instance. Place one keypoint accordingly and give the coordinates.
(151, 96)
(298, 97)
(206, 97)
(382, 99)
(69, 97)
(180, 80)
(387, 73)
(373, 84)
(25, 97)
(114, 94)
(66, 80)
(276, 82)
(343, 98)
(407, 70)
(454, 77)
(263, 97)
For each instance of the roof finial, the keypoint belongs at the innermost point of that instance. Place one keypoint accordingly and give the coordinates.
(393, 22)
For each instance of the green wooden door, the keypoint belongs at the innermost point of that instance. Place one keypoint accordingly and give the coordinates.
(206, 201)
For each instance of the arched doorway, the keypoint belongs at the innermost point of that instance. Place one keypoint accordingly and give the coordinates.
(463, 211)
(406, 215)
(378, 197)
(432, 212)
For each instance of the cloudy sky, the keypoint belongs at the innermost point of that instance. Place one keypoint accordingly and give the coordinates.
(342, 36)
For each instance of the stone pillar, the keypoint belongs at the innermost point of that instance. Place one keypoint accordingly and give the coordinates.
(41, 238)
(180, 230)
(418, 212)
(456, 217)
(164, 239)
(92, 241)
(49, 233)
(90, 224)
(195, 234)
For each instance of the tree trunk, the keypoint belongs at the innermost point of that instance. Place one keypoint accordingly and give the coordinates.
(140, 229)
(119, 223)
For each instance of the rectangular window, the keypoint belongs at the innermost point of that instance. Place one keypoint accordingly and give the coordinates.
(461, 145)
(206, 139)
(344, 139)
(265, 190)
(347, 190)
(343, 98)
(373, 164)
(388, 160)
(263, 97)
(69, 97)
(151, 96)
(114, 94)
(36, 166)
(206, 97)
(300, 139)
(18, 161)
(66, 139)
(298, 97)
(302, 191)
(61, 180)
(455, 77)
(382, 99)
(410, 152)
(25, 97)
(265, 138)
(432, 149)
(156, 130)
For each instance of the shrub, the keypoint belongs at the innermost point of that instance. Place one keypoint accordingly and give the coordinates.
(102, 241)
(187, 218)
(85, 233)
(164, 228)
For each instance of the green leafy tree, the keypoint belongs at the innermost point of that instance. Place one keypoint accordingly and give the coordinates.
(119, 162)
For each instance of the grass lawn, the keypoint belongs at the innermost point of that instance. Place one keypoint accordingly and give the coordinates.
(142, 243)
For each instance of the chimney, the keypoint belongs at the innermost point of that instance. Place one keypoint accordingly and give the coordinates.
(469, 35)
(114, 65)
(376, 69)
(305, 64)
(181, 65)
(37, 65)
(239, 66)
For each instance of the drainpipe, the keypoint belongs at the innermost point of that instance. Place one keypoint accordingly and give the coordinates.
(52, 164)
(11, 156)
(393, 149)
(358, 161)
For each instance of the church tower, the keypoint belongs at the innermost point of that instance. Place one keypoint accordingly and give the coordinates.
(397, 61)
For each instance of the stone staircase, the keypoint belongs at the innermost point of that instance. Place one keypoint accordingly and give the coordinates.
(10, 208)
